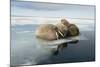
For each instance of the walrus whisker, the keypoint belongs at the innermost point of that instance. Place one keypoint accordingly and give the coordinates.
(61, 33)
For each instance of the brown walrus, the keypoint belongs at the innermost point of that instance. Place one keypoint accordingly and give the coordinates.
(47, 32)
(53, 32)
(68, 29)
(63, 27)
(73, 30)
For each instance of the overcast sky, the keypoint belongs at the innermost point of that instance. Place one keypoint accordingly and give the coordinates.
(22, 8)
(45, 12)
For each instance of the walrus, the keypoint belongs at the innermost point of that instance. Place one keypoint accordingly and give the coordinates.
(47, 32)
(68, 29)
(53, 32)
(63, 27)
(73, 30)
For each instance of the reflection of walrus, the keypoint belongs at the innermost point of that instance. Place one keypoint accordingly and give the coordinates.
(54, 32)
(63, 45)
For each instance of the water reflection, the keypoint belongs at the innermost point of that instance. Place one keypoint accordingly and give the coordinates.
(64, 45)
(57, 46)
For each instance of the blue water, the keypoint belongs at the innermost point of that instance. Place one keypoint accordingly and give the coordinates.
(26, 49)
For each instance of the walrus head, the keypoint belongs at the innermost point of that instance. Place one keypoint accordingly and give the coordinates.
(68, 29)
(63, 27)
(65, 22)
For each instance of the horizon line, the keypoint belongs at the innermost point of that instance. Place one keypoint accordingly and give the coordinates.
(85, 18)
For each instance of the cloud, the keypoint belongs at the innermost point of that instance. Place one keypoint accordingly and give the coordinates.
(32, 20)
(31, 8)
(37, 5)
(44, 6)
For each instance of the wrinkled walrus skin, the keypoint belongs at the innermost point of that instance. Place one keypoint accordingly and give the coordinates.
(53, 32)
(47, 32)
(73, 30)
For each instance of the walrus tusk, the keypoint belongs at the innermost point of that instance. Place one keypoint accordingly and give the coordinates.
(57, 35)
(61, 33)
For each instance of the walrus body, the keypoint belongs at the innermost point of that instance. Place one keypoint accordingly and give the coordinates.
(47, 32)
(54, 32)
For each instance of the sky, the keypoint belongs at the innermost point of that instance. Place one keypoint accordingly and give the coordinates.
(22, 8)
(36, 10)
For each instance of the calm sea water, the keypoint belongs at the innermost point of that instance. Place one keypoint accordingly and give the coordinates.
(26, 49)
